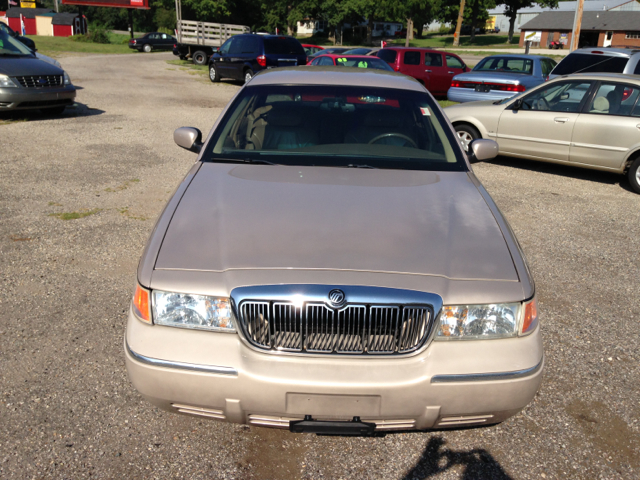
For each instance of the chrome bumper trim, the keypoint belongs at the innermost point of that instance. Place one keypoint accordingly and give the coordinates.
(487, 377)
(192, 367)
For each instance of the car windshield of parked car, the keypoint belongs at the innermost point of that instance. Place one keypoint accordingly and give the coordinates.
(336, 126)
(368, 62)
(505, 64)
(357, 51)
(9, 46)
(587, 63)
(283, 46)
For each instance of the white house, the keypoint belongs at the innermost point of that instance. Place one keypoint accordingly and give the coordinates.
(310, 27)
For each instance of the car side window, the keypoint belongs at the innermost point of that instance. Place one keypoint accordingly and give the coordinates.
(412, 58)
(226, 46)
(614, 99)
(454, 62)
(433, 59)
(547, 65)
(325, 61)
(637, 70)
(558, 97)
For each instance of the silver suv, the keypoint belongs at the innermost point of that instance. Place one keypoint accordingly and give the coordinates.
(599, 60)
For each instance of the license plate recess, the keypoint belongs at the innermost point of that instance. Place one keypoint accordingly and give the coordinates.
(355, 427)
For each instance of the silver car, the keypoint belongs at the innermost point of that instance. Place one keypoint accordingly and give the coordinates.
(27, 83)
(500, 76)
(331, 264)
(585, 120)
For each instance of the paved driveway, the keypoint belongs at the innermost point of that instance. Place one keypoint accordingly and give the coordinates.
(67, 409)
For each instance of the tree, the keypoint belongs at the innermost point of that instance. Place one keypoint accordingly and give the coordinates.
(512, 7)
(475, 13)
(413, 12)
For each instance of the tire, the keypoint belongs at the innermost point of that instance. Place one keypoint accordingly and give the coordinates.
(54, 110)
(213, 73)
(634, 175)
(248, 75)
(199, 57)
(467, 134)
(146, 48)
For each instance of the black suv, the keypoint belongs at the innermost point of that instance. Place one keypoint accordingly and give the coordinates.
(242, 56)
(25, 41)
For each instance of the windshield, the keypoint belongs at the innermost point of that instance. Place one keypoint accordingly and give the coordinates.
(505, 64)
(363, 62)
(586, 63)
(336, 126)
(11, 46)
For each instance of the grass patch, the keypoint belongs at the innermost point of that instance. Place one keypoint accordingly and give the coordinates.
(74, 215)
(446, 41)
(190, 67)
(124, 186)
(53, 45)
(446, 103)
(125, 211)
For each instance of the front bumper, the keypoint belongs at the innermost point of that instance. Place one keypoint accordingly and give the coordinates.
(21, 98)
(463, 95)
(444, 386)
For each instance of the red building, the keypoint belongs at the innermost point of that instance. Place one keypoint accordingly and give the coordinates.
(67, 24)
(28, 17)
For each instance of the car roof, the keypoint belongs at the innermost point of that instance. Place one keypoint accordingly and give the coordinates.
(422, 49)
(346, 55)
(604, 76)
(614, 52)
(347, 76)
(310, 45)
(515, 55)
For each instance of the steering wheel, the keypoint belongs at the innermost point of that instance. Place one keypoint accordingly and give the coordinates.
(542, 104)
(399, 135)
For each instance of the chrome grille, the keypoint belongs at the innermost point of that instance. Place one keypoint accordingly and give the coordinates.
(40, 81)
(317, 328)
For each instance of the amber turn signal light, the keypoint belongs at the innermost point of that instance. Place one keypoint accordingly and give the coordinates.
(530, 320)
(141, 304)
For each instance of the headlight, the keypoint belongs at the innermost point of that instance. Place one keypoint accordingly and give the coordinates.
(501, 320)
(6, 82)
(192, 311)
(67, 80)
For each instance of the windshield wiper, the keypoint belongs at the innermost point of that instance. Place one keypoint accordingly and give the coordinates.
(353, 165)
(244, 160)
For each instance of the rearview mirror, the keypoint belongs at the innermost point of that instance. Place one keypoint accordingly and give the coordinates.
(517, 105)
(188, 138)
(484, 149)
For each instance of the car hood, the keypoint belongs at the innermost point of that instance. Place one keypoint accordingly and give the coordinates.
(286, 217)
(491, 77)
(20, 66)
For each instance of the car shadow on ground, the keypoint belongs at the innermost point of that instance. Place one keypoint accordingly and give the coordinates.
(72, 111)
(607, 178)
(475, 464)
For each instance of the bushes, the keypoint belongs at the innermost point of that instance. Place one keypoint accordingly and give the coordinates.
(95, 35)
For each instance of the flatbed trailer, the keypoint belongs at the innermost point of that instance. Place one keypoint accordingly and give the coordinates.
(198, 40)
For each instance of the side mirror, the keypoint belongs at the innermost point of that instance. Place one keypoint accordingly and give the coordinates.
(188, 138)
(484, 149)
(517, 105)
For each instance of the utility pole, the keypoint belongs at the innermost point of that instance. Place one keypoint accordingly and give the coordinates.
(456, 36)
(577, 25)
(55, 2)
(409, 31)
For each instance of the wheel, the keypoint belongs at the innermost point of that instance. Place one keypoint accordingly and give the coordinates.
(199, 58)
(147, 48)
(54, 110)
(550, 47)
(213, 73)
(634, 175)
(248, 75)
(562, 46)
(467, 134)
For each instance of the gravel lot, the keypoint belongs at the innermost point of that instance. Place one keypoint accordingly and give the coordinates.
(67, 409)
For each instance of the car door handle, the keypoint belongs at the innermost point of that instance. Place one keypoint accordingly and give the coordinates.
(428, 71)
(451, 73)
(561, 119)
